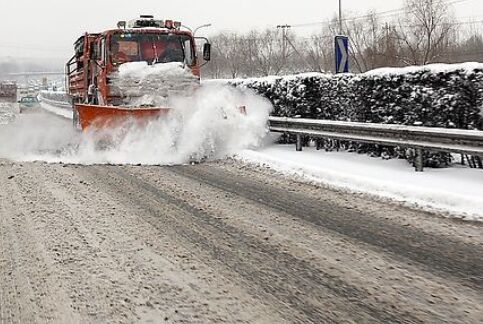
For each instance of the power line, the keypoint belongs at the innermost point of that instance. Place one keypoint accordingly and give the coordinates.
(33, 48)
(467, 22)
(382, 14)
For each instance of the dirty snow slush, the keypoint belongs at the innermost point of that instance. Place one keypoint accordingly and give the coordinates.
(223, 242)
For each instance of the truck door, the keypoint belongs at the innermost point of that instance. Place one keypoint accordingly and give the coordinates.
(99, 72)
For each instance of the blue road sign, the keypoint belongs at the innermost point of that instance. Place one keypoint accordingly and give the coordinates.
(341, 54)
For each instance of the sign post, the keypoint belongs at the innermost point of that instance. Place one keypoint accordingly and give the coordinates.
(341, 54)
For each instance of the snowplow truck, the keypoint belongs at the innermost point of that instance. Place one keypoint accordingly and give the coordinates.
(98, 57)
(8, 91)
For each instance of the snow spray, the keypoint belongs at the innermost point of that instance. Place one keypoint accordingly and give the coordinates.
(207, 125)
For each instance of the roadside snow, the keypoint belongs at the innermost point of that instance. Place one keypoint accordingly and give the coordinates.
(57, 110)
(8, 112)
(457, 190)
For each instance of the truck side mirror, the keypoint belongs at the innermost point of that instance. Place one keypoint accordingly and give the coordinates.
(207, 52)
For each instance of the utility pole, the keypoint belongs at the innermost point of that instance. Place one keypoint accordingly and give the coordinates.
(340, 17)
(284, 41)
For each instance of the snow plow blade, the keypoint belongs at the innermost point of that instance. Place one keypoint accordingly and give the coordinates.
(92, 117)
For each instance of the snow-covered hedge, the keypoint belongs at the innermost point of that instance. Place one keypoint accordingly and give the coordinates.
(434, 95)
(437, 95)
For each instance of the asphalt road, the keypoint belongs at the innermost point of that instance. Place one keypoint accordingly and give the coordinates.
(223, 242)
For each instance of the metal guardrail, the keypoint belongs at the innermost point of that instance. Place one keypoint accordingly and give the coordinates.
(419, 138)
(56, 103)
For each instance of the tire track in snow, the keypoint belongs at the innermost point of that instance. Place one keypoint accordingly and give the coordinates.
(448, 257)
(291, 281)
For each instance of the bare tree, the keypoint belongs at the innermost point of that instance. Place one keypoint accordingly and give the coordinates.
(318, 51)
(364, 35)
(228, 52)
(270, 59)
(424, 33)
(469, 46)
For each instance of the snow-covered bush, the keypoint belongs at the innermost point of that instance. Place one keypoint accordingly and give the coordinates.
(434, 95)
(439, 95)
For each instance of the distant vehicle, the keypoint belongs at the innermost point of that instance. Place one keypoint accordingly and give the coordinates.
(8, 91)
(29, 104)
(26, 92)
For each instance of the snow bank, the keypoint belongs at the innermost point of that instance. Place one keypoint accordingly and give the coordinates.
(458, 191)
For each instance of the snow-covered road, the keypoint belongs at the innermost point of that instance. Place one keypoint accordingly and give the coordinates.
(226, 240)
(456, 191)
(223, 242)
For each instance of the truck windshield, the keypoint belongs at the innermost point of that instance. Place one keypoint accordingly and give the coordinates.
(151, 48)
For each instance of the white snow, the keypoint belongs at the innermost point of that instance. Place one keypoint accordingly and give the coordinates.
(207, 125)
(29, 135)
(141, 84)
(141, 70)
(433, 68)
(468, 67)
(456, 191)
(8, 112)
(270, 79)
(66, 113)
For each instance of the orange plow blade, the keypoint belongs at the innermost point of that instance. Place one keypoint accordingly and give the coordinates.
(105, 117)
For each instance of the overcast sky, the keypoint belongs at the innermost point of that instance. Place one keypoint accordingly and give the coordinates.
(47, 28)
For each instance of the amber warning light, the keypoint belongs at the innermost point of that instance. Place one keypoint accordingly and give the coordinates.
(148, 21)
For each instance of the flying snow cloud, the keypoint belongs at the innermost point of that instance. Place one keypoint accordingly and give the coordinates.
(27, 136)
(207, 125)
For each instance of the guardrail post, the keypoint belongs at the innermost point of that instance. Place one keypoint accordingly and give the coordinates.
(419, 161)
(299, 143)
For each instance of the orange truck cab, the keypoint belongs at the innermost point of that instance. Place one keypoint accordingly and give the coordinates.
(99, 55)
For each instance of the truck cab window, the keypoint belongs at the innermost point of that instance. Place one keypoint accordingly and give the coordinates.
(151, 48)
(103, 50)
(188, 52)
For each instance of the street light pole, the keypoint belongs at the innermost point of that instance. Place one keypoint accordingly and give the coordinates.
(196, 29)
(202, 26)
